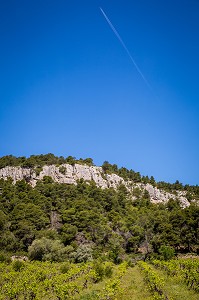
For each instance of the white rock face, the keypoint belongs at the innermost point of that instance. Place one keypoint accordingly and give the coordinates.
(87, 173)
(158, 196)
(16, 173)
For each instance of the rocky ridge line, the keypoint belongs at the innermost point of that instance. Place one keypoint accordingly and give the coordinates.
(70, 174)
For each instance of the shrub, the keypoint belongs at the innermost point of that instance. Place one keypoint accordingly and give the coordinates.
(4, 257)
(108, 270)
(46, 249)
(38, 170)
(166, 252)
(18, 265)
(62, 170)
(102, 270)
(65, 267)
(83, 253)
(99, 271)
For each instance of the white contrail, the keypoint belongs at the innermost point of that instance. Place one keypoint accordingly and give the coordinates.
(126, 49)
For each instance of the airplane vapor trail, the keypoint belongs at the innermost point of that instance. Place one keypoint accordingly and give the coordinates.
(125, 48)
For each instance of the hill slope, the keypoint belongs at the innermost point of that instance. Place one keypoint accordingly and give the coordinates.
(67, 209)
(70, 174)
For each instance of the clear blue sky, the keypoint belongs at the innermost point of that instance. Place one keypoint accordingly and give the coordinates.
(68, 87)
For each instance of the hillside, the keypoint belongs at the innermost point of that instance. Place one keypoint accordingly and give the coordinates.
(70, 174)
(55, 209)
(36, 168)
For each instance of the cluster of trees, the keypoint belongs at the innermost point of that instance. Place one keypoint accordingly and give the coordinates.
(193, 191)
(41, 160)
(123, 172)
(58, 221)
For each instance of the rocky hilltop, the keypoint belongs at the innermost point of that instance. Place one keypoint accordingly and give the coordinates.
(69, 174)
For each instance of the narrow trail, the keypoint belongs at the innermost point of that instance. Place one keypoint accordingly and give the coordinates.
(134, 287)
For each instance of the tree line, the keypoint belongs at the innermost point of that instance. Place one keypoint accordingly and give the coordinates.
(77, 222)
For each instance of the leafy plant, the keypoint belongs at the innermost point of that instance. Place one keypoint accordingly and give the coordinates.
(18, 265)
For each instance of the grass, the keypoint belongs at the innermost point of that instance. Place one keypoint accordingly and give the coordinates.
(176, 289)
(134, 287)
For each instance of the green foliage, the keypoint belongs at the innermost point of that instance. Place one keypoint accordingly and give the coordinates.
(4, 257)
(154, 281)
(51, 234)
(185, 269)
(44, 280)
(91, 296)
(166, 252)
(83, 253)
(46, 249)
(8, 241)
(68, 233)
(123, 172)
(38, 161)
(62, 170)
(99, 271)
(65, 267)
(38, 170)
(102, 270)
(18, 265)
(87, 161)
(92, 222)
(116, 250)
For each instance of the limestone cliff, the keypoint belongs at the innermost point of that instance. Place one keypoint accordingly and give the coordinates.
(70, 174)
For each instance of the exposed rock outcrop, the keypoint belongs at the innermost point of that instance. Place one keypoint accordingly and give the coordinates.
(160, 196)
(70, 174)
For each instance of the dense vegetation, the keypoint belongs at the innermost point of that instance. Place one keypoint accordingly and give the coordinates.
(57, 281)
(172, 280)
(79, 222)
(83, 242)
(97, 280)
(41, 160)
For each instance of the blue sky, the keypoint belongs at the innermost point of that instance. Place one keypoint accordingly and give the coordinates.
(68, 87)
